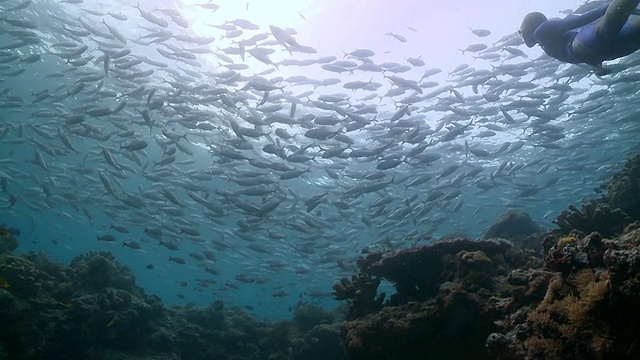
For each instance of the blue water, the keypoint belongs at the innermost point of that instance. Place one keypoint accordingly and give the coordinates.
(62, 211)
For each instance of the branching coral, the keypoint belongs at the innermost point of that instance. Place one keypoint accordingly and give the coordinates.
(594, 216)
(361, 291)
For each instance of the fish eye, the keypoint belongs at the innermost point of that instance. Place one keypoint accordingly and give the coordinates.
(519, 31)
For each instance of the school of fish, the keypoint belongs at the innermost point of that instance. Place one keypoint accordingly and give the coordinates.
(215, 160)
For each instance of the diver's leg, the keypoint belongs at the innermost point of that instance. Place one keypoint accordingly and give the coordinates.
(628, 40)
(631, 29)
(615, 17)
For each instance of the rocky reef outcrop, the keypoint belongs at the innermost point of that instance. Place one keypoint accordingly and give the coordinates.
(569, 293)
(444, 292)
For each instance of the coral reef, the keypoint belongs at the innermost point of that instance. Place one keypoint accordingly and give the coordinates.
(94, 309)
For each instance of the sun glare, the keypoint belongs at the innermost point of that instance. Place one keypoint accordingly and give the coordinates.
(282, 13)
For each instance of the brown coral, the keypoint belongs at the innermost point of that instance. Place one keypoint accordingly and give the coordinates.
(595, 216)
(361, 292)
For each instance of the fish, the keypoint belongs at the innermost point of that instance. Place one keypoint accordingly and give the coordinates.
(132, 245)
(119, 228)
(474, 48)
(151, 18)
(480, 32)
(106, 238)
(398, 37)
(177, 260)
(135, 145)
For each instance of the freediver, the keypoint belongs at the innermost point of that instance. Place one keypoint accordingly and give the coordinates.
(605, 33)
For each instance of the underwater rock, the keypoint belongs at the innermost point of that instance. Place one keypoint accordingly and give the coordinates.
(595, 216)
(513, 225)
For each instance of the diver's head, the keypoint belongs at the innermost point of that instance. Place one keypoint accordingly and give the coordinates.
(529, 25)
